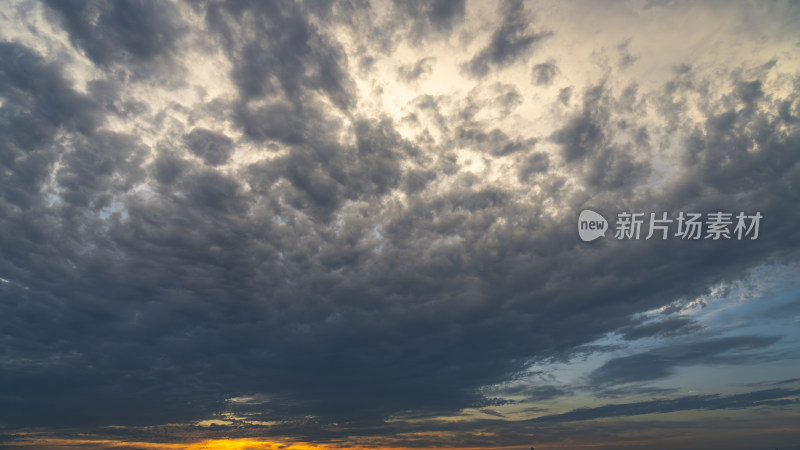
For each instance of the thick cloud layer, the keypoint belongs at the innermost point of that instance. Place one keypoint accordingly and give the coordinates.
(283, 252)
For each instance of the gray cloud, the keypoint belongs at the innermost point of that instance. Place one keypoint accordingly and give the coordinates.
(671, 326)
(512, 42)
(588, 141)
(767, 397)
(413, 72)
(348, 280)
(294, 61)
(136, 34)
(495, 141)
(625, 57)
(213, 148)
(536, 163)
(564, 95)
(544, 73)
(431, 18)
(534, 393)
(297, 289)
(660, 362)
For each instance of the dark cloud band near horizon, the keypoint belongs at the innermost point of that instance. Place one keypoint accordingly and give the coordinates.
(345, 222)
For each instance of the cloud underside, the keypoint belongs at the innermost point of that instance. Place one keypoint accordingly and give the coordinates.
(284, 243)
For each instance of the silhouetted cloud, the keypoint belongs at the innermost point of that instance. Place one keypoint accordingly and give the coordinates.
(251, 211)
(660, 362)
(214, 149)
(512, 42)
(139, 35)
(767, 397)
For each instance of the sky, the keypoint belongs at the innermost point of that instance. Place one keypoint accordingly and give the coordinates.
(326, 225)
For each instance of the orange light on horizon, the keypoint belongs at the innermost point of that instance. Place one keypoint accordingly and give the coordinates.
(208, 444)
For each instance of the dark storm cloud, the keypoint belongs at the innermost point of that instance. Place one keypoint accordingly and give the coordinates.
(168, 167)
(279, 121)
(213, 148)
(587, 141)
(278, 54)
(421, 256)
(660, 362)
(38, 102)
(43, 245)
(221, 303)
(512, 42)
(534, 164)
(544, 73)
(322, 174)
(94, 170)
(431, 18)
(135, 34)
(584, 133)
(334, 280)
(39, 99)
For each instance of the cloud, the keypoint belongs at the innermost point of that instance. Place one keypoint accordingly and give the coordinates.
(297, 59)
(214, 149)
(25, 77)
(495, 142)
(435, 18)
(767, 397)
(534, 393)
(662, 328)
(536, 163)
(625, 57)
(413, 72)
(140, 35)
(512, 42)
(660, 362)
(544, 73)
(290, 237)
(590, 141)
(96, 169)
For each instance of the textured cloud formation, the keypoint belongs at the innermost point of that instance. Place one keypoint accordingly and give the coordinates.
(510, 43)
(659, 362)
(544, 73)
(307, 219)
